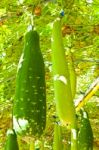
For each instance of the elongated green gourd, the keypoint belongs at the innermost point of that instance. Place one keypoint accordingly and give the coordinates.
(57, 141)
(11, 141)
(72, 75)
(29, 112)
(85, 135)
(62, 88)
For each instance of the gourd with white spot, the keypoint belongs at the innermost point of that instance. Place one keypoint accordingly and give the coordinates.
(11, 140)
(63, 96)
(85, 134)
(29, 112)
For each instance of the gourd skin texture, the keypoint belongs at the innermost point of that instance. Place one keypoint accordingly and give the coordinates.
(11, 142)
(62, 88)
(85, 135)
(30, 95)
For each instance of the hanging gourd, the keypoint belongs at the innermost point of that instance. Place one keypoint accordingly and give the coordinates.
(63, 95)
(85, 135)
(29, 112)
(11, 140)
